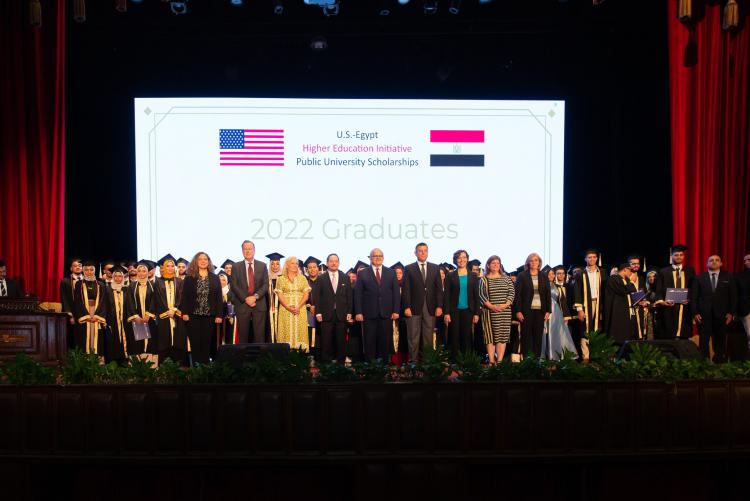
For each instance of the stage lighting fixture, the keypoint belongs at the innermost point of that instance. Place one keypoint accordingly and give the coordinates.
(403, 2)
(454, 7)
(79, 11)
(278, 7)
(318, 43)
(178, 8)
(430, 6)
(484, 2)
(385, 8)
(35, 13)
(236, 3)
(330, 7)
(121, 5)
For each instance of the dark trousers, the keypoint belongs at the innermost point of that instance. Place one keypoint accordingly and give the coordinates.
(354, 343)
(200, 329)
(532, 329)
(251, 318)
(177, 355)
(459, 332)
(378, 338)
(332, 340)
(713, 328)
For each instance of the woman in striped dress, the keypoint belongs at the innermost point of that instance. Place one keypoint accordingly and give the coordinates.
(496, 293)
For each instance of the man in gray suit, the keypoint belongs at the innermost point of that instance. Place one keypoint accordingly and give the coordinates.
(249, 284)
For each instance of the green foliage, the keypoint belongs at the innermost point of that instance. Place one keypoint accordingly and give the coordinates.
(602, 348)
(435, 364)
(469, 366)
(336, 373)
(80, 367)
(373, 372)
(170, 372)
(216, 373)
(139, 371)
(24, 370)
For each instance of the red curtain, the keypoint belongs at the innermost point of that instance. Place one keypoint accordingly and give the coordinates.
(710, 122)
(32, 145)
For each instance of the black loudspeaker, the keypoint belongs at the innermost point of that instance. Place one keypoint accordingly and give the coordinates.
(683, 349)
(237, 355)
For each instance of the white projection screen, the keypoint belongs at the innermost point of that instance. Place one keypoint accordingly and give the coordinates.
(314, 176)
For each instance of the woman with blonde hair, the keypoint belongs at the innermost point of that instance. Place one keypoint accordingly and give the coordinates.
(292, 289)
(533, 304)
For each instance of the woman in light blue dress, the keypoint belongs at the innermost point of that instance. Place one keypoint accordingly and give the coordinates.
(557, 336)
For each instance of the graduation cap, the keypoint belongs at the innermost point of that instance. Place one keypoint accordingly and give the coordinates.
(591, 251)
(228, 261)
(274, 256)
(152, 265)
(678, 248)
(520, 268)
(146, 263)
(397, 265)
(168, 257)
(447, 266)
(311, 259)
(120, 268)
(546, 268)
(360, 265)
(183, 261)
(222, 272)
(474, 262)
(323, 267)
(573, 267)
(351, 270)
(559, 267)
(74, 260)
(89, 262)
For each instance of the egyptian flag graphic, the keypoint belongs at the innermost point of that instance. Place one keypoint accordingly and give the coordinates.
(457, 156)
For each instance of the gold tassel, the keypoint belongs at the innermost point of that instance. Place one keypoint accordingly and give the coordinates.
(645, 268)
(35, 13)
(731, 19)
(685, 10)
(79, 11)
(121, 5)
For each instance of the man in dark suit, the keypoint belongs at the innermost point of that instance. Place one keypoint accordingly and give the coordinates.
(376, 304)
(8, 288)
(67, 286)
(743, 300)
(249, 285)
(714, 298)
(423, 300)
(333, 298)
(675, 319)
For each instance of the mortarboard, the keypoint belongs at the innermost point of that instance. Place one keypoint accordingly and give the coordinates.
(168, 257)
(521, 268)
(397, 265)
(310, 260)
(447, 266)
(360, 264)
(146, 263)
(89, 262)
(274, 256)
(183, 261)
(559, 267)
(351, 270)
(678, 248)
(120, 268)
(228, 261)
(546, 268)
(474, 262)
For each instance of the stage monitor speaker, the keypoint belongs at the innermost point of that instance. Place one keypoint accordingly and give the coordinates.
(238, 355)
(682, 349)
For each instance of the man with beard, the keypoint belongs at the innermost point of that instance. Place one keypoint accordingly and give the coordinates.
(676, 319)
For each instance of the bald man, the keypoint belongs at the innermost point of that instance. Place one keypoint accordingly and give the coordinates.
(377, 301)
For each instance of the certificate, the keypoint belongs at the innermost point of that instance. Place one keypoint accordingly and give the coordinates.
(141, 332)
(677, 296)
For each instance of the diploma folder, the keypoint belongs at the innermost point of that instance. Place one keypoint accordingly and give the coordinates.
(141, 332)
(637, 297)
(677, 296)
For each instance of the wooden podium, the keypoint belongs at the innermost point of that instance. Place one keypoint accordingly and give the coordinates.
(26, 328)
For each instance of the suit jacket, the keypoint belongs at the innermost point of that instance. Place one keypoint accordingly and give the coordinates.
(333, 306)
(238, 283)
(215, 297)
(708, 302)
(415, 290)
(743, 282)
(525, 293)
(452, 289)
(373, 300)
(66, 295)
(13, 288)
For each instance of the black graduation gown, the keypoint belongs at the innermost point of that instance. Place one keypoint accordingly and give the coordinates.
(90, 337)
(675, 321)
(133, 309)
(593, 317)
(169, 335)
(619, 323)
(640, 312)
(227, 327)
(312, 323)
(120, 333)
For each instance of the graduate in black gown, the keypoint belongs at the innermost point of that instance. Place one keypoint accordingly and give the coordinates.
(638, 279)
(120, 330)
(312, 266)
(619, 315)
(400, 356)
(226, 329)
(171, 338)
(90, 311)
(589, 298)
(676, 320)
(475, 265)
(274, 270)
(140, 308)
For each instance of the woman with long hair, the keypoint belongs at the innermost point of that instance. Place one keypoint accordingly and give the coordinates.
(293, 290)
(461, 300)
(496, 293)
(533, 304)
(201, 306)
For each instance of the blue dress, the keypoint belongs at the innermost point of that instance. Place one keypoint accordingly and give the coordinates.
(556, 332)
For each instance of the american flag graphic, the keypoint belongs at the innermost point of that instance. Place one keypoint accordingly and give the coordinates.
(262, 147)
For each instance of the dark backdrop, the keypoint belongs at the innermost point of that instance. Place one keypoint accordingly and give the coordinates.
(609, 63)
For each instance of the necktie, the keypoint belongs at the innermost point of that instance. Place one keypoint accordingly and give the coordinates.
(377, 275)
(713, 281)
(333, 282)
(424, 273)
(3, 290)
(250, 280)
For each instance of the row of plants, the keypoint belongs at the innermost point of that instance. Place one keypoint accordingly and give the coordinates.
(646, 363)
